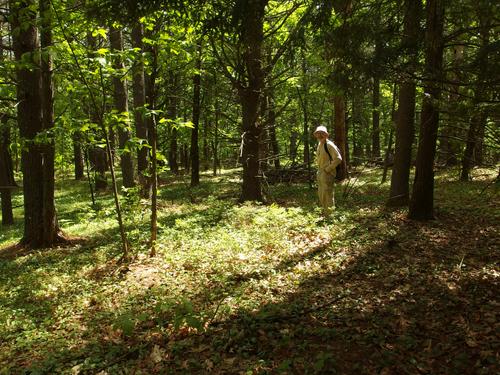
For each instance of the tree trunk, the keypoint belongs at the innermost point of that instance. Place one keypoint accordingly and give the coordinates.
(391, 135)
(252, 37)
(121, 107)
(357, 127)
(449, 146)
(151, 93)
(305, 110)
(479, 116)
(376, 119)
(422, 199)
(139, 97)
(6, 169)
(40, 223)
(195, 150)
(78, 158)
(216, 130)
(405, 119)
(206, 149)
(340, 134)
(97, 155)
(293, 146)
(272, 131)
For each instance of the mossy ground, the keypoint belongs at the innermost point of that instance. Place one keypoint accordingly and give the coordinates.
(257, 288)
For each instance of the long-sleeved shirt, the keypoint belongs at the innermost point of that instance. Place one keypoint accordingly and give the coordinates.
(322, 159)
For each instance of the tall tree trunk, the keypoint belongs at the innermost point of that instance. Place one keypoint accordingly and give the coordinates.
(121, 106)
(340, 134)
(479, 146)
(97, 155)
(40, 223)
(195, 149)
(6, 169)
(422, 199)
(206, 149)
(479, 115)
(51, 233)
(357, 124)
(139, 97)
(305, 110)
(293, 145)
(216, 130)
(78, 156)
(391, 135)
(6, 173)
(252, 37)
(376, 119)
(151, 93)
(272, 130)
(449, 145)
(405, 119)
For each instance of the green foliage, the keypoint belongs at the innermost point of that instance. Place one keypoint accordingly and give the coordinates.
(249, 286)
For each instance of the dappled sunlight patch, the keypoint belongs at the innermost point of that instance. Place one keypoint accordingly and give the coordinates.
(268, 287)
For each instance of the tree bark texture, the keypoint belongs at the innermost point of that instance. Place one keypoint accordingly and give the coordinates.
(475, 133)
(250, 92)
(422, 199)
(78, 157)
(405, 120)
(121, 106)
(40, 222)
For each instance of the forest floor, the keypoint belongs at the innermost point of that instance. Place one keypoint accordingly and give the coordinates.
(259, 289)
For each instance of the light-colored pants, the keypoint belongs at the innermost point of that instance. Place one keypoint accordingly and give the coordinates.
(325, 191)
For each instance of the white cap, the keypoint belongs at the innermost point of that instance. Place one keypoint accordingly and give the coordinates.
(321, 129)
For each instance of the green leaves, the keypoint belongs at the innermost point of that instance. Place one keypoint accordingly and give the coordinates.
(101, 32)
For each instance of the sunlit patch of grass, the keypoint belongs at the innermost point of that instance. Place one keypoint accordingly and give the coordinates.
(72, 306)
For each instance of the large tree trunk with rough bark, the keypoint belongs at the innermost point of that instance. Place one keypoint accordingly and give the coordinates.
(40, 222)
(121, 106)
(422, 199)
(252, 37)
(51, 234)
(405, 120)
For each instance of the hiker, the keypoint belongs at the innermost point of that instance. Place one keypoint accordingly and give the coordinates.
(328, 158)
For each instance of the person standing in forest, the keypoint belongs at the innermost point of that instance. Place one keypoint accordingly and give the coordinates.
(328, 158)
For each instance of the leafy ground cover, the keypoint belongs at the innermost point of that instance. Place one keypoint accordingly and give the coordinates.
(256, 289)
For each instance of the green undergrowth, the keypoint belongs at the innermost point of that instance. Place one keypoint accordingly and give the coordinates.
(256, 288)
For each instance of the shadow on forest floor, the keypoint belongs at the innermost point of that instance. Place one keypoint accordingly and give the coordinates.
(262, 289)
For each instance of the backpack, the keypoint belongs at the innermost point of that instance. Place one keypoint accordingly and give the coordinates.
(338, 177)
